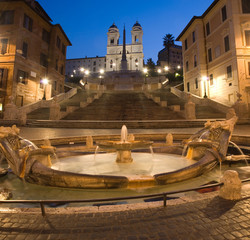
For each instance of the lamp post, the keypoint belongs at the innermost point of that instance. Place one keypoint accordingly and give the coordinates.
(136, 64)
(205, 86)
(44, 82)
(159, 75)
(86, 74)
(145, 71)
(101, 73)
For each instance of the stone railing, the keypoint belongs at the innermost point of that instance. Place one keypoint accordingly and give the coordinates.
(200, 101)
(12, 112)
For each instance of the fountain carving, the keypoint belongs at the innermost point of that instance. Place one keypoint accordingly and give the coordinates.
(206, 148)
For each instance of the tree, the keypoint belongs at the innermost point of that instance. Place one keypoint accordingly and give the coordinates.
(151, 67)
(168, 41)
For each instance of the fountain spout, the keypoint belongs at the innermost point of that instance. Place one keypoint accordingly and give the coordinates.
(124, 134)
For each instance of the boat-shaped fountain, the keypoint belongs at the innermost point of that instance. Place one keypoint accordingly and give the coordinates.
(204, 150)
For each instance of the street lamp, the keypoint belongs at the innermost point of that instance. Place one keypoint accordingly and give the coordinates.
(86, 74)
(136, 64)
(44, 82)
(166, 68)
(101, 73)
(204, 79)
(145, 71)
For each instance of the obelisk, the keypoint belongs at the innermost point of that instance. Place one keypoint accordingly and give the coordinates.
(124, 62)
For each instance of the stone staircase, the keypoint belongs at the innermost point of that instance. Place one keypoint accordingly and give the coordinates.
(123, 105)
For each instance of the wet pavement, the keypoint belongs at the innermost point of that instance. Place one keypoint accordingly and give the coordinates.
(43, 133)
(204, 217)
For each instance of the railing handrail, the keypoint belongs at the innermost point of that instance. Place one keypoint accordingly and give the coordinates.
(163, 194)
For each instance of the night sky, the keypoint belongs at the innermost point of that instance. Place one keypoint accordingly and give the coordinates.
(86, 22)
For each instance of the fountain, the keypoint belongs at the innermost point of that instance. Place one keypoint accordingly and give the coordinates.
(124, 147)
(33, 164)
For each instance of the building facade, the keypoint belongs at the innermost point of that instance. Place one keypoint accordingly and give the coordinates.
(174, 61)
(112, 61)
(216, 52)
(77, 66)
(31, 49)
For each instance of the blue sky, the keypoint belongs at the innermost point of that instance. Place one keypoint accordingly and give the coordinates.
(86, 22)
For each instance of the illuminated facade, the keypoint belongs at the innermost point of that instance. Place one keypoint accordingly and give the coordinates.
(175, 57)
(112, 61)
(31, 49)
(216, 52)
(134, 51)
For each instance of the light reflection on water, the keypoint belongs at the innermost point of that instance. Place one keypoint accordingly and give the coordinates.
(105, 164)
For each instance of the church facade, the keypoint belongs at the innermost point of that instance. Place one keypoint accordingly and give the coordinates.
(134, 51)
(112, 61)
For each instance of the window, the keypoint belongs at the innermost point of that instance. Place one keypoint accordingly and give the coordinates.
(249, 68)
(188, 87)
(229, 71)
(3, 77)
(43, 60)
(3, 45)
(94, 69)
(186, 44)
(58, 42)
(25, 50)
(224, 13)
(63, 49)
(193, 34)
(195, 61)
(62, 70)
(56, 67)
(226, 42)
(112, 41)
(22, 77)
(247, 37)
(245, 6)
(211, 78)
(55, 85)
(27, 23)
(196, 83)
(46, 36)
(94, 63)
(187, 67)
(6, 17)
(208, 28)
(210, 55)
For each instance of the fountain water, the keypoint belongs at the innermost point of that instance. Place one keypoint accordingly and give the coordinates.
(124, 147)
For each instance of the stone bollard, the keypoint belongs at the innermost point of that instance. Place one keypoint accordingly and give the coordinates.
(22, 116)
(131, 137)
(11, 112)
(164, 103)
(169, 139)
(190, 109)
(240, 107)
(231, 190)
(89, 141)
(54, 111)
(231, 113)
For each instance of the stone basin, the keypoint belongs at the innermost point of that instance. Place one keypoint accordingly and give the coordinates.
(123, 148)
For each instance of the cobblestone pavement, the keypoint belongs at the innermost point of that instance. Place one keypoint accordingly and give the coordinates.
(210, 218)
